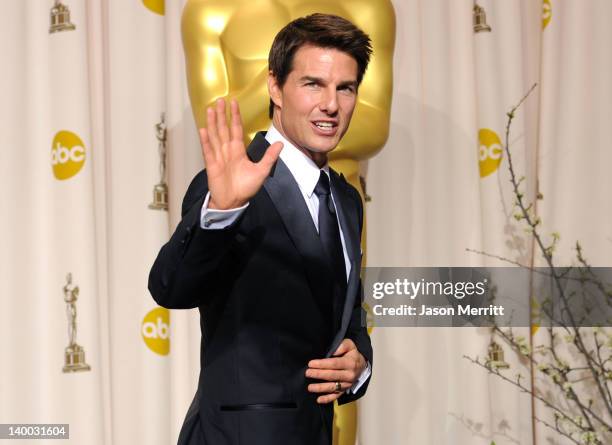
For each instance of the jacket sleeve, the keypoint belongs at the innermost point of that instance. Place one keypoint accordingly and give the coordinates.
(357, 330)
(184, 274)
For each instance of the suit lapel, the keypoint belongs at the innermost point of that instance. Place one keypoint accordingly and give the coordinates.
(347, 215)
(289, 202)
(286, 196)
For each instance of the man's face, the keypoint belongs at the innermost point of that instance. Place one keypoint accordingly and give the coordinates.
(316, 102)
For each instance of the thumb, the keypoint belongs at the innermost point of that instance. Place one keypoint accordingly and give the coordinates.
(271, 155)
(344, 347)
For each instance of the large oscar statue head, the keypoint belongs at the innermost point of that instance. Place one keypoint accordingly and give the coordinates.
(227, 44)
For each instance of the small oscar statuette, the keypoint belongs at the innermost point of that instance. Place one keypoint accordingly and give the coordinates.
(480, 19)
(74, 355)
(60, 18)
(160, 190)
(495, 356)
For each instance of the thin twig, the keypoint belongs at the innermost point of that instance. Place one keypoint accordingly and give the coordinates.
(533, 224)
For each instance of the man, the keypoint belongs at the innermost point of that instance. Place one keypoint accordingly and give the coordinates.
(268, 249)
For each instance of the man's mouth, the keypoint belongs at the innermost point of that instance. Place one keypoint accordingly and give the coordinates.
(327, 128)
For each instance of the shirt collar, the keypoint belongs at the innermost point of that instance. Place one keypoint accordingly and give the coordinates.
(303, 169)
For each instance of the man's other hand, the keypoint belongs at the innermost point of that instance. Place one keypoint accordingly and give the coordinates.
(338, 372)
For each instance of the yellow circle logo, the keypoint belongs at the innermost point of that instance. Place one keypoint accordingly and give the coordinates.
(157, 6)
(546, 13)
(67, 154)
(489, 151)
(155, 330)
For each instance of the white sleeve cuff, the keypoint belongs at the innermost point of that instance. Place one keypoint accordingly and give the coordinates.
(213, 219)
(365, 375)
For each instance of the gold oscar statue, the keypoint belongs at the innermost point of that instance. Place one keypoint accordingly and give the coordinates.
(160, 190)
(480, 19)
(226, 46)
(74, 355)
(60, 18)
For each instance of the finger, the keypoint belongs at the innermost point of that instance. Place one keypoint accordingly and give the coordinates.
(328, 363)
(270, 157)
(207, 151)
(344, 347)
(222, 122)
(211, 127)
(236, 129)
(328, 398)
(340, 375)
(328, 387)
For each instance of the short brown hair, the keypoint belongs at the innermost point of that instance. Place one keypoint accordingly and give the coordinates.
(323, 31)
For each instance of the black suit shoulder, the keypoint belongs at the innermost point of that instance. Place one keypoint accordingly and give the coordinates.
(353, 192)
(198, 187)
(186, 267)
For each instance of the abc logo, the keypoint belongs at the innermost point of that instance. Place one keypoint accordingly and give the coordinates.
(67, 154)
(546, 13)
(157, 6)
(489, 151)
(156, 330)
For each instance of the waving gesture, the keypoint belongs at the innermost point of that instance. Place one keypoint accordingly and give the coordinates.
(232, 177)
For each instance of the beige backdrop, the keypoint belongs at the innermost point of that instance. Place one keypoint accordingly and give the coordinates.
(79, 160)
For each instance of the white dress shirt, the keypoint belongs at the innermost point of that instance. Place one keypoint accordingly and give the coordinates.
(306, 173)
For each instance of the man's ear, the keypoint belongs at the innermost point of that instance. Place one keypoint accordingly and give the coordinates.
(274, 90)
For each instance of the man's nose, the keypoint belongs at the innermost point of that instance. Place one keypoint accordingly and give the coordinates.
(329, 101)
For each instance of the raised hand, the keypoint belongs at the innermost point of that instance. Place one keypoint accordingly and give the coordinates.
(233, 178)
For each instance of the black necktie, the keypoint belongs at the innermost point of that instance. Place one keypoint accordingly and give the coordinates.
(329, 233)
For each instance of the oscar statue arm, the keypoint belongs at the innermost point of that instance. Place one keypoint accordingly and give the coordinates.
(210, 69)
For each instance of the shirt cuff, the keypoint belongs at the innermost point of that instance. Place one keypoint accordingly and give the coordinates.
(365, 375)
(213, 219)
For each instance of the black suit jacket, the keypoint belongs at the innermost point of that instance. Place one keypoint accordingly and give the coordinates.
(263, 288)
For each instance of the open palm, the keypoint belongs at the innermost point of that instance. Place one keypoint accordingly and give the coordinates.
(233, 178)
